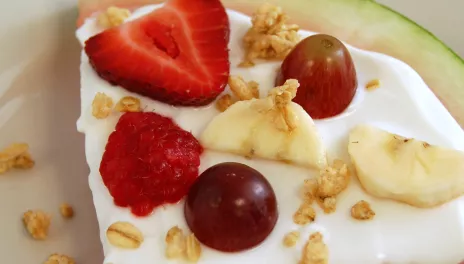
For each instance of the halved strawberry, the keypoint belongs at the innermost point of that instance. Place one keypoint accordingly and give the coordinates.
(177, 54)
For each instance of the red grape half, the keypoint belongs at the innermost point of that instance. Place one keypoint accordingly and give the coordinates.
(325, 70)
(231, 207)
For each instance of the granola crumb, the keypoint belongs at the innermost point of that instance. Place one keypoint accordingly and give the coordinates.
(329, 204)
(304, 215)
(254, 87)
(59, 259)
(16, 156)
(124, 235)
(178, 245)
(333, 179)
(37, 224)
(309, 190)
(291, 238)
(362, 211)
(113, 17)
(243, 90)
(246, 64)
(373, 84)
(128, 104)
(24, 161)
(66, 210)
(269, 36)
(224, 102)
(192, 248)
(315, 251)
(277, 104)
(175, 246)
(101, 106)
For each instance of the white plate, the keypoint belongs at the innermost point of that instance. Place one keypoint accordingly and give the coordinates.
(39, 104)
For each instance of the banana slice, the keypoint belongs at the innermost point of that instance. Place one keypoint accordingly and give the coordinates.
(271, 128)
(405, 169)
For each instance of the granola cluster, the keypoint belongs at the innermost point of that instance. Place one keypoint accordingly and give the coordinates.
(16, 156)
(37, 224)
(332, 181)
(102, 105)
(315, 251)
(113, 17)
(242, 91)
(269, 36)
(180, 246)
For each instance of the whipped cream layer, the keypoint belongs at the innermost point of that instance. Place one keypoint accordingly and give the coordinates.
(398, 234)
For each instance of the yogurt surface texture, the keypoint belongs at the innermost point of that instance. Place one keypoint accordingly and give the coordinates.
(398, 234)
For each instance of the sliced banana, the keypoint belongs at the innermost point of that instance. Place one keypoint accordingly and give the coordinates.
(405, 169)
(271, 128)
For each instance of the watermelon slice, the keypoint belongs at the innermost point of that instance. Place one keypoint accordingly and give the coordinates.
(364, 24)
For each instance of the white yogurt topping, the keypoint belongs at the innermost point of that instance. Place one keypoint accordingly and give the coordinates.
(398, 234)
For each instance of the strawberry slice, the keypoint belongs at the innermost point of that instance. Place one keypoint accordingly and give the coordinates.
(177, 54)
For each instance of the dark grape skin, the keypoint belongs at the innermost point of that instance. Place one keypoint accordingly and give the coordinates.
(231, 207)
(326, 73)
